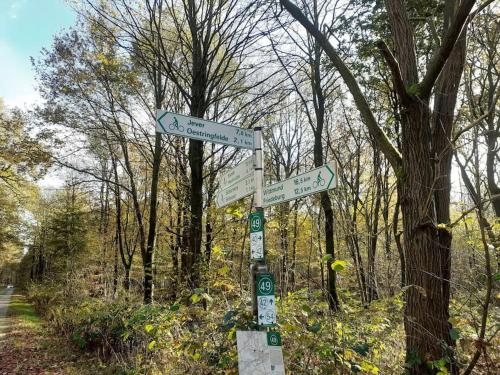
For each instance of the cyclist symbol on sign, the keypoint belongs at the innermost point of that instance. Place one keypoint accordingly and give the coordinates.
(175, 125)
(320, 181)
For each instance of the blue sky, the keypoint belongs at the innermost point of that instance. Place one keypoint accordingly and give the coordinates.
(26, 26)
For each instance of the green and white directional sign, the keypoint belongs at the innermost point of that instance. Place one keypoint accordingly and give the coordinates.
(314, 181)
(266, 302)
(203, 130)
(236, 183)
(238, 173)
(275, 352)
(235, 192)
(256, 220)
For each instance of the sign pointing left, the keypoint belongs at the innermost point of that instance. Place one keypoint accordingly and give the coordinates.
(203, 130)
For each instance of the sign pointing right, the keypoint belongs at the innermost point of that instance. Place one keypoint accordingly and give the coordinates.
(314, 181)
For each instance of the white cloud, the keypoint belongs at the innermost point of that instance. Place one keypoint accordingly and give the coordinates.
(16, 78)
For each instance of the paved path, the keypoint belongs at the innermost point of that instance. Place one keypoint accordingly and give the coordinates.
(5, 295)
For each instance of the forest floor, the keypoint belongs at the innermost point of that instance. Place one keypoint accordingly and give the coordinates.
(28, 348)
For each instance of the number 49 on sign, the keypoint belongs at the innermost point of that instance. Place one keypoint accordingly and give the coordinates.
(266, 302)
(257, 235)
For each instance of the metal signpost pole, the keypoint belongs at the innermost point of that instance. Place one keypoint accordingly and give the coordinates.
(259, 169)
(238, 183)
(257, 238)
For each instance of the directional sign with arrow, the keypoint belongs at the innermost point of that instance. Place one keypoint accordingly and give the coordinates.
(237, 173)
(236, 183)
(314, 181)
(256, 220)
(203, 130)
(235, 192)
(266, 303)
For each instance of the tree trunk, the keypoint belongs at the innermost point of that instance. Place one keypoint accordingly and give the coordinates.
(294, 246)
(284, 244)
(427, 269)
(397, 238)
(426, 247)
(153, 213)
(197, 108)
(195, 223)
(372, 292)
(326, 204)
(115, 273)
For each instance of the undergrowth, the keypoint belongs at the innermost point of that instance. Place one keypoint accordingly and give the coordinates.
(198, 335)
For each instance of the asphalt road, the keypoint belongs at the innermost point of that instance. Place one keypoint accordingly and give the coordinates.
(5, 295)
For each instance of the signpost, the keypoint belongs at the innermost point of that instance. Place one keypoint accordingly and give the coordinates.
(235, 192)
(237, 183)
(266, 301)
(311, 182)
(257, 235)
(314, 181)
(238, 173)
(258, 352)
(203, 130)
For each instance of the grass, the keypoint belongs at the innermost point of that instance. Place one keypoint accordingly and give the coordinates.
(23, 311)
(30, 348)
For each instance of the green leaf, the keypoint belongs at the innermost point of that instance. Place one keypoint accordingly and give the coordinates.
(195, 298)
(326, 258)
(339, 265)
(496, 276)
(454, 334)
(412, 89)
(314, 328)
(229, 315)
(306, 308)
(149, 328)
(361, 349)
(224, 270)
(152, 344)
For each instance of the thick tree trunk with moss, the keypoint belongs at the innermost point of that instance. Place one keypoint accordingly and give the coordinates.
(427, 271)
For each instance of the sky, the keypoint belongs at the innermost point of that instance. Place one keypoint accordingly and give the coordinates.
(26, 26)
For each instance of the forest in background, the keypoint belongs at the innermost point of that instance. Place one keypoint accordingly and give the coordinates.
(394, 271)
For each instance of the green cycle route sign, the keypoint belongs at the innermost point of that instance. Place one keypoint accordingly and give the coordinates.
(203, 130)
(256, 222)
(266, 301)
(265, 284)
(273, 338)
(302, 185)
